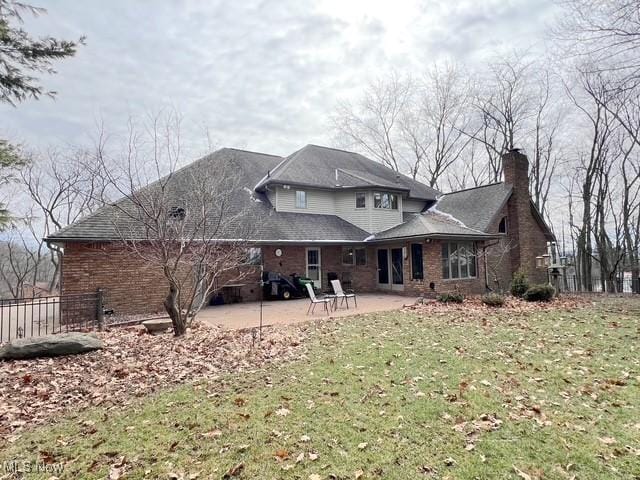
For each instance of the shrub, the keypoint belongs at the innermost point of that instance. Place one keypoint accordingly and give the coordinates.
(493, 299)
(451, 298)
(519, 284)
(539, 293)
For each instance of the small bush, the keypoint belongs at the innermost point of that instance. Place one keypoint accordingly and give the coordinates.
(539, 293)
(493, 299)
(519, 284)
(451, 298)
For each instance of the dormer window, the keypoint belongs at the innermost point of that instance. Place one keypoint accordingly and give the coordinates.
(361, 200)
(502, 227)
(385, 200)
(301, 199)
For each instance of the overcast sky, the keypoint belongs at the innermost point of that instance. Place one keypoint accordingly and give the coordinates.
(259, 74)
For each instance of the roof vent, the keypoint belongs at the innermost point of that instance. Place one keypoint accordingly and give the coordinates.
(177, 213)
(397, 178)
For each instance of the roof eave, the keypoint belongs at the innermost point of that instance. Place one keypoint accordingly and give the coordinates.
(438, 236)
(333, 187)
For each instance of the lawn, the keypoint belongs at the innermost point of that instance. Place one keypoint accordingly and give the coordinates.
(437, 392)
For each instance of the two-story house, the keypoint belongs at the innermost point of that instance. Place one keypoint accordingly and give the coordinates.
(327, 213)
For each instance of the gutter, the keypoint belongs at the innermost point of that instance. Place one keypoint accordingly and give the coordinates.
(61, 241)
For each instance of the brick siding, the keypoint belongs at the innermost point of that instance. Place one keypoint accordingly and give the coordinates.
(131, 286)
(525, 233)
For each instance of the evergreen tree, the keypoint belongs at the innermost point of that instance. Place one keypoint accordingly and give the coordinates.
(21, 57)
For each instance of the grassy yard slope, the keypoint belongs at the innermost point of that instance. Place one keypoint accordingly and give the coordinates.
(548, 394)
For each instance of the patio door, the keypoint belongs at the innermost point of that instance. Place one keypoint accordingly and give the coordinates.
(397, 277)
(314, 270)
(390, 268)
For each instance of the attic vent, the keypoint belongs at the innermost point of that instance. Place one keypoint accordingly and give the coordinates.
(177, 213)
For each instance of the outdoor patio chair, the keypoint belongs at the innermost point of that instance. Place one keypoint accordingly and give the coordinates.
(337, 289)
(325, 301)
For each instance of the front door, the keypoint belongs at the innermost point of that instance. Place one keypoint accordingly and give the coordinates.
(314, 271)
(383, 268)
(397, 277)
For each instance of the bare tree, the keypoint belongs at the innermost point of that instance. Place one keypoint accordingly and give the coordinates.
(504, 106)
(496, 257)
(546, 156)
(410, 125)
(593, 168)
(21, 263)
(607, 34)
(186, 225)
(372, 125)
(63, 186)
(435, 131)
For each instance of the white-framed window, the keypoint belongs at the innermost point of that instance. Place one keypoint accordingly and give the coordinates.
(385, 200)
(254, 256)
(459, 260)
(301, 199)
(354, 256)
(361, 200)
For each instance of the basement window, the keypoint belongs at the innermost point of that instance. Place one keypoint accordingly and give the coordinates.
(502, 228)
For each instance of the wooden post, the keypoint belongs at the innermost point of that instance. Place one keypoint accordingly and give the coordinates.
(100, 309)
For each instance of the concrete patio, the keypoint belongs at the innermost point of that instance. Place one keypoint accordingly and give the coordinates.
(286, 312)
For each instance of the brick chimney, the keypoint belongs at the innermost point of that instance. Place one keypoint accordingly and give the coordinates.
(523, 230)
(516, 169)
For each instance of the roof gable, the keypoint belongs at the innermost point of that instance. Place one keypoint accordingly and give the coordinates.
(330, 168)
(430, 224)
(476, 207)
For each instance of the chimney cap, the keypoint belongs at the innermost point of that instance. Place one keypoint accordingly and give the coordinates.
(515, 150)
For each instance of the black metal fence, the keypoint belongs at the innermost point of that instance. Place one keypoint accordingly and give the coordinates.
(32, 317)
(620, 284)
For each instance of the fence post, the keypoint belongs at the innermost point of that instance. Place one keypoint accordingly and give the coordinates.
(100, 309)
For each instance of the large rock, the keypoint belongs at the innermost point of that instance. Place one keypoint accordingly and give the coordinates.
(157, 325)
(50, 346)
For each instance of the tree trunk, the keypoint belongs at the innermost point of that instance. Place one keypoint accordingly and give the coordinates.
(172, 308)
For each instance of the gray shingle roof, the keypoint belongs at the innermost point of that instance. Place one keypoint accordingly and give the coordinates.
(258, 217)
(475, 207)
(429, 224)
(317, 166)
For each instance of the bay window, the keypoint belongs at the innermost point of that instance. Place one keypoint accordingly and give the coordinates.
(458, 260)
